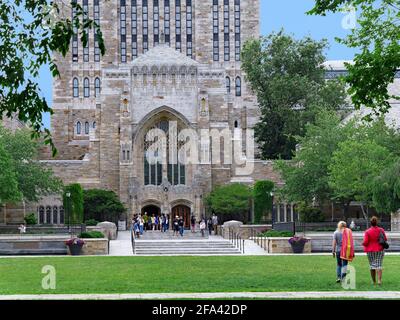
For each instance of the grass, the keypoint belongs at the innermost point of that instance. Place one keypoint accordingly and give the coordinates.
(187, 274)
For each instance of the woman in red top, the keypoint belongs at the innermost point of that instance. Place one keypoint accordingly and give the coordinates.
(374, 249)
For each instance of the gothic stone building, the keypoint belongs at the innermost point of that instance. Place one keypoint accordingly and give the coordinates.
(167, 61)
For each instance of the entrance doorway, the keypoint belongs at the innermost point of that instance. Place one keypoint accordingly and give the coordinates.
(184, 212)
(151, 209)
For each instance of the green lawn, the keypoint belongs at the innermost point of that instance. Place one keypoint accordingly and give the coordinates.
(187, 274)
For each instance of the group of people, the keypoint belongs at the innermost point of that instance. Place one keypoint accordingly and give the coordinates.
(143, 223)
(375, 243)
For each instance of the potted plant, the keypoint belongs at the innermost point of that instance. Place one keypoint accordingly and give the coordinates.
(75, 246)
(298, 244)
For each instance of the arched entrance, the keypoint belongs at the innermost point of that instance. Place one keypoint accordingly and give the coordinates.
(150, 210)
(184, 212)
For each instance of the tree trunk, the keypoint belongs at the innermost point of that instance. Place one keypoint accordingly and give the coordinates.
(365, 214)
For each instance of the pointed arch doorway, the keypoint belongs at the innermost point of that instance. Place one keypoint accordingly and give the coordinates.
(184, 212)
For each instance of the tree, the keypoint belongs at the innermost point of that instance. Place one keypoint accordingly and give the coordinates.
(377, 37)
(386, 189)
(231, 201)
(30, 32)
(73, 204)
(306, 175)
(353, 169)
(102, 205)
(289, 80)
(8, 181)
(262, 199)
(33, 178)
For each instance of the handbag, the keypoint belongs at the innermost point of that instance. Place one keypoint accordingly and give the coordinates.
(382, 240)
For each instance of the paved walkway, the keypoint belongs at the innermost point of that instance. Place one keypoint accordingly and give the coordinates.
(214, 295)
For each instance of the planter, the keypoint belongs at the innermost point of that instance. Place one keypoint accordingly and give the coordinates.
(75, 249)
(298, 247)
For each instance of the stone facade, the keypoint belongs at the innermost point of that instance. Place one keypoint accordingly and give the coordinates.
(100, 131)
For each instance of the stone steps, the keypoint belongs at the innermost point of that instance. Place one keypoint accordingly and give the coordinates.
(184, 247)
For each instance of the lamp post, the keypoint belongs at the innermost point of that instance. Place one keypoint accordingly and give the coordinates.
(273, 208)
(68, 195)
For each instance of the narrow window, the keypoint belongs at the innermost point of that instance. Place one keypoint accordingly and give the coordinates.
(96, 18)
(156, 22)
(145, 21)
(215, 31)
(167, 22)
(48, 215)
(134, 29)
(86, 88)
(94, 125)
(238, 87)
(237, 30)
(178, 19)
(122, 19)
(78, 128)
(74, 36)
(226, 31)
(228, 84)
(85, 18)
(56, 219)
(75, 86)
(189, 28)
(61, 215)
(236, 124)
(86, 128)
(97, 86)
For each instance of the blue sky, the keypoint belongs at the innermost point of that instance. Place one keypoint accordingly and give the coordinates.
(275, 15)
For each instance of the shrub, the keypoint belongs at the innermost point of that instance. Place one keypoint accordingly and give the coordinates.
(310, 214)
(277, 234)
(231, 202)
(30, 219)
(74, 204)
(262, 199)
(91, 235)
(102, 205)
(91, 222)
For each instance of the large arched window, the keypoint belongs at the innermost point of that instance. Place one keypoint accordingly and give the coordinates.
(61, 215)
(153, 159)
(238, 87)
(48, 215)
(41, 215)
(97, 87)
(86, 88)
(55, 215)
(228, 84)
(75, 88)
(78, 128)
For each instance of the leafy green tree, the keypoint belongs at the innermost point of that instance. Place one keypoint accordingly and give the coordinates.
(289, 80)
(377, 38)
(386, 189)
(30, 33)
(33, 178)
(306, 175)
(8, 181)
(73, 204)
(262, 199)
(102, 205)
(232, 201)
(353, 168)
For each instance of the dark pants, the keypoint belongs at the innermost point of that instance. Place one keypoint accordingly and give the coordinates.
(341, 267)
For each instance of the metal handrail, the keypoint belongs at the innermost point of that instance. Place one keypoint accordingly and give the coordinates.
(236, 240)
(133, 242)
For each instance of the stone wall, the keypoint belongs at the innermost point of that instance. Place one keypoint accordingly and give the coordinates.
(95, 247)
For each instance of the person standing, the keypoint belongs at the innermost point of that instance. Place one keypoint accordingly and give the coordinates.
(375, 243)
(210, 225)
(166, 226)
(181, 226)
(176, 226)
(146, 221)
(153, 222)
(141, 225)
(202, 227)
(193, 223)
(336, 250)
(215, 223)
